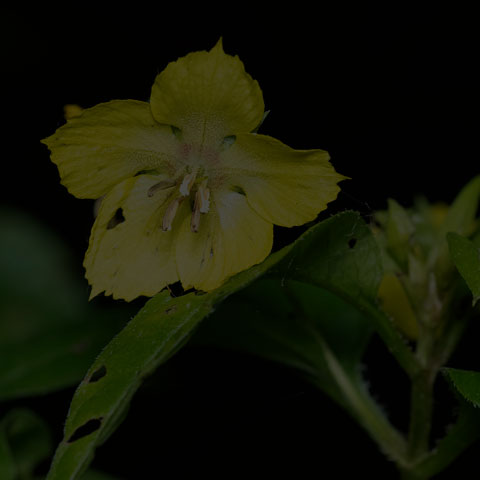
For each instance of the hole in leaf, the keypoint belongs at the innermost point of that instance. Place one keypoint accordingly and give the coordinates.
(117, 219)
(98, 374)
(86, 429)
(352, 242)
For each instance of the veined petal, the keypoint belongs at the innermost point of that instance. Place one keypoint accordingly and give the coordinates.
(231, 237)
(109, 143)
(286, 187)
(129, 253)
(208, 96)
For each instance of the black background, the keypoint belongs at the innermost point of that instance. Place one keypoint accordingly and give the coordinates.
(390, 94)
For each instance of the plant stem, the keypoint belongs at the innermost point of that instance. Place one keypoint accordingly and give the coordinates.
(365, 409)
(420, 417)
(421, 403)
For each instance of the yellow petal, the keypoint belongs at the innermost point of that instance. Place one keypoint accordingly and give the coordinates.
(71, 111)
(135, 256)
(286, 187)
(109, 143)
(231, 237)
(208, 96)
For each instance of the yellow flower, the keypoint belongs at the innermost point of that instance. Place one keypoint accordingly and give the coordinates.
(190, 193)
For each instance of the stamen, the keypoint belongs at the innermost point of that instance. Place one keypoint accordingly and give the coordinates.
(195, 221)
(160, 186)
(202, 205)
(204, 197)
(170, 213)
(187, 182)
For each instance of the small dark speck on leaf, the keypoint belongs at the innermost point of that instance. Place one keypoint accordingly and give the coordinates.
(352, 242)
(86, 429)
(171, 309)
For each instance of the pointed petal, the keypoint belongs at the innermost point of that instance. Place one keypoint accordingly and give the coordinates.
(231, 238)
(109, 143)
(286, 187)
(129, 253)
(207, 95)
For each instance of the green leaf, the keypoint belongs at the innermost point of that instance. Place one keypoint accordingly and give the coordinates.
(290, 325)
(49, 334)
(338, 254)
(467, 384)
(54, 358)
(466, 257)
(25, 441)
(343, 257)
(462, 213)
(155, 334)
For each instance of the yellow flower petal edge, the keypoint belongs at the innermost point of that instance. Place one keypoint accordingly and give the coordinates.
(208, 96)
(129, 254)
(286, 187)
(109, 143)
(186, 192)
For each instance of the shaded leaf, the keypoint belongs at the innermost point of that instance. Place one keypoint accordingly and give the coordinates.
(340, 255)
(25, 441)
(466, 257)
(467, 384)
(264, 320)
(49, 334)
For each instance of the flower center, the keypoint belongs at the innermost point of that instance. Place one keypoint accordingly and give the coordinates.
(201, 204)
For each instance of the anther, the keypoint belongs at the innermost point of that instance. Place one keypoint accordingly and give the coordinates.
(170, 213)
(160, 186)
(187, 182)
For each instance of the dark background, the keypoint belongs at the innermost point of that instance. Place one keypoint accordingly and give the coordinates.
(388, 93)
